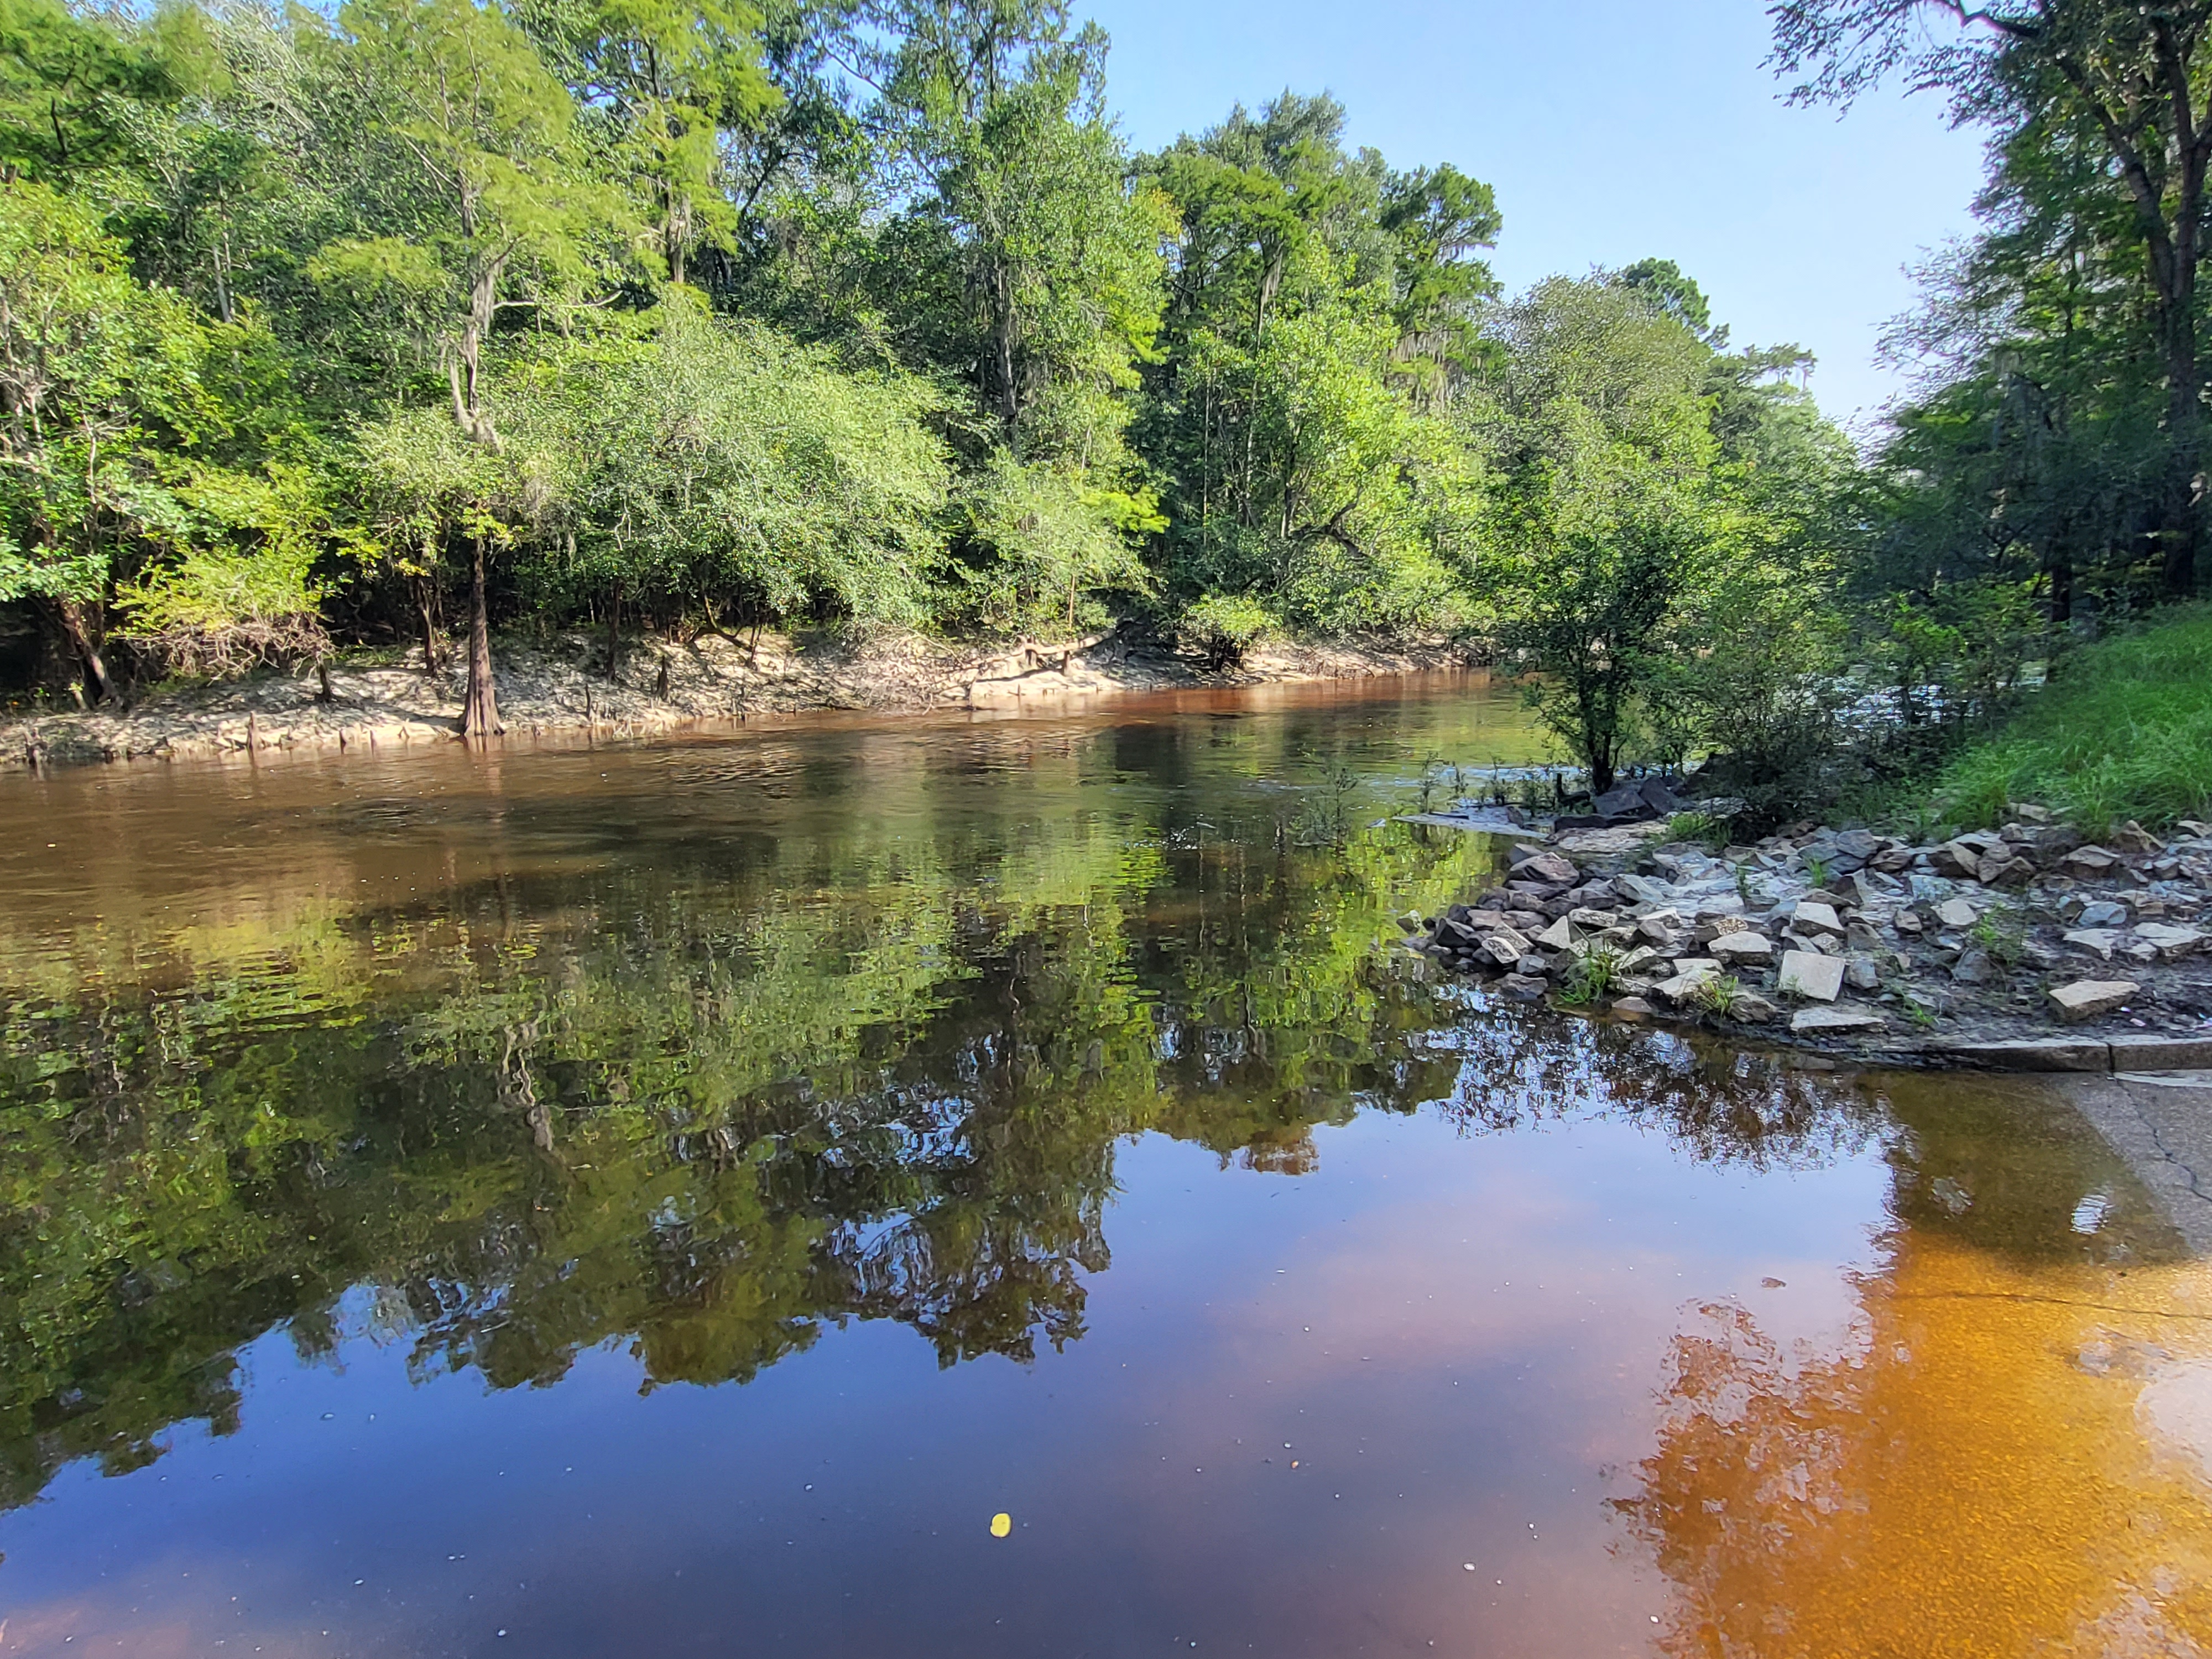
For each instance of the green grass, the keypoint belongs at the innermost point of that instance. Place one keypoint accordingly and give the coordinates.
(2122, 731)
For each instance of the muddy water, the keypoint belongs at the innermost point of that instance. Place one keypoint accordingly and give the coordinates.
(669, 1199)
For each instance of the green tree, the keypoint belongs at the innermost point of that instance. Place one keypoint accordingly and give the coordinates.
(2124, 84)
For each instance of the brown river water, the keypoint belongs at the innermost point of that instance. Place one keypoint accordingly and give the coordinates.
(668, 1199)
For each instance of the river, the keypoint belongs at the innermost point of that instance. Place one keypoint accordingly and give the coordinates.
(670, 1198)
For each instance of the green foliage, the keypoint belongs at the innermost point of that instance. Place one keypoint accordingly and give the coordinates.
(1592, 977)
(1223, 627)
(2123, 730)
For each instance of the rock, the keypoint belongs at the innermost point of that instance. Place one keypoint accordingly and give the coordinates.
(2088, 861)
(1861, 935)
(1859, 843)
(1742, 948)
(2139, 952)
(1548, 868)
(2087, 999)
(1813, 916)
(1624, 801)
(2171, 942)
(1908, 923)
(1815, 978)
(1973, 968)
(2104, 913)
(1640, 890)
(1955, 858)
(1642, 959)
(1956, 913)
(1688, 976)
(1633, 1008)
(1525, 921)
(1594, 921)
(2097, 941)
(2027, 813)
(1561, 935)
(1752, 1009)
(1659, 927)
(1533, 967)
(1862, 974)
(1506, 948)
(2007, 872)
(1834, 1022)
(2132, 837)
(1526, 987)
(1411, 921)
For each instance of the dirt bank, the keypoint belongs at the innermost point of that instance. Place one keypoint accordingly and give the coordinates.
(562, 685)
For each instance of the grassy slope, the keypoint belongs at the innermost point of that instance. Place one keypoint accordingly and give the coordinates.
(2122, 731)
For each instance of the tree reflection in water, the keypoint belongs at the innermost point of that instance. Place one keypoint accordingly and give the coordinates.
(1978, 1467)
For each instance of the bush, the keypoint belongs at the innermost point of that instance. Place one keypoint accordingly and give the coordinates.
(1223, 627)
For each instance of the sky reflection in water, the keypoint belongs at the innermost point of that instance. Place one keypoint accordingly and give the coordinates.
(667, 1199)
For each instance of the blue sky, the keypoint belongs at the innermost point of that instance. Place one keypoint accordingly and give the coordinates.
(1610, 130)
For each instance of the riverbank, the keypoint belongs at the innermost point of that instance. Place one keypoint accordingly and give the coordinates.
(562, 687)
(2025, 948)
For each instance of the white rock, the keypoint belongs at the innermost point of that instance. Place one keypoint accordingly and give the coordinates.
(2086, 999)
(1816, 978)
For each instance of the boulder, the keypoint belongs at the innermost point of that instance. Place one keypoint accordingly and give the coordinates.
(1957, 912)
(2088, 861)
(2007, 872)
(1633, 1008)
(1525, 921)
(1526, 987)
(2087, 999)
(1641, 889)
(1642, 959)
(1862, 974)
(1594, 921)
(1834, 1022)
(2102, 913)
(1908, 923)
(1533, 967)
(1743, 950)
(1815, 978)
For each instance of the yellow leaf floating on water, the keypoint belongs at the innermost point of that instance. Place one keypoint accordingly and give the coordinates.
(1001, 1524)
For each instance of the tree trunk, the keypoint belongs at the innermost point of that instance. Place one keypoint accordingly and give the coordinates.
(479, 708)
(83, 630)
(425, 605)
(614, 631)
(2179, 525)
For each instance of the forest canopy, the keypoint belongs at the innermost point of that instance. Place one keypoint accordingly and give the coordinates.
(342, 328)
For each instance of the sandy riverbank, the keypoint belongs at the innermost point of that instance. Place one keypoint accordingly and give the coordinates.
(560, 686)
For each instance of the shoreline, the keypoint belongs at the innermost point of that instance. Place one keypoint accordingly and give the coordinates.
(560, 688)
